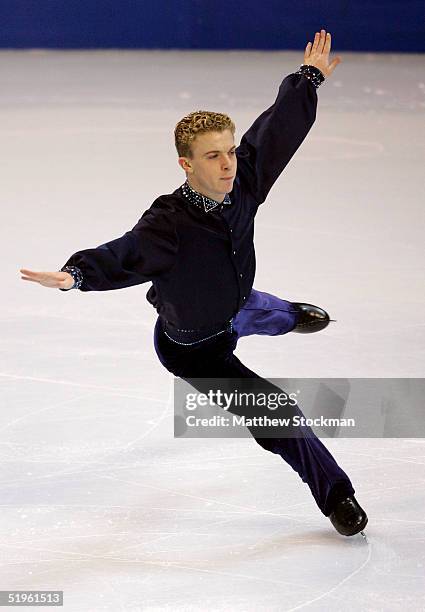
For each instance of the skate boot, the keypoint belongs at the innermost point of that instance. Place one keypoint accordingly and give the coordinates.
(348, 517)
(310, 318)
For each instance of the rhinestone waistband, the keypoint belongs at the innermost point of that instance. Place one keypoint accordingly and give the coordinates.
(191, 336)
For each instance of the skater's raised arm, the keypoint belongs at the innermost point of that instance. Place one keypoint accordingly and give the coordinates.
(140, 255)
(274, 137)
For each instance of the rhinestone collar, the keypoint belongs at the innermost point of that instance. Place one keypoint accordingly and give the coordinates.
(200, 200)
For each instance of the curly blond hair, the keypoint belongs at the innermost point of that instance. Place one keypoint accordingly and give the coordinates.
(199, 122)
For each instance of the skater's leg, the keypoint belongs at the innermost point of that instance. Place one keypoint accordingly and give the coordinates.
(305, 454)
(269, 315)
(265, 314)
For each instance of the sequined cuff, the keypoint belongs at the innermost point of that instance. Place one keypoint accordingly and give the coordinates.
(315, 75)
(76, 274)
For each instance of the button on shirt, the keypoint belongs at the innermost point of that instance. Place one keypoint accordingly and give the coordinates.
(197, 253)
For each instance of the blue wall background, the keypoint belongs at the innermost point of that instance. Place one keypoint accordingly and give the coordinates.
(364, 25)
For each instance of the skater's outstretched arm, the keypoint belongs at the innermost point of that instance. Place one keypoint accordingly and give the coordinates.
(274, 137)
(140, 255)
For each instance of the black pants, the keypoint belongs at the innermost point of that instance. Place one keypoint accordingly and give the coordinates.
(307, 455)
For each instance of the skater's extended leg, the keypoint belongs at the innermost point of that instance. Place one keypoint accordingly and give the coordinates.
(307, 455)
(269, 315)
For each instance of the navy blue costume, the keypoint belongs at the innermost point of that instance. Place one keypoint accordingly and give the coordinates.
(199, 256)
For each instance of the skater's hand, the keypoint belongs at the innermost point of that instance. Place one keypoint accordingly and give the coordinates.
(56, 280)
(317, 54)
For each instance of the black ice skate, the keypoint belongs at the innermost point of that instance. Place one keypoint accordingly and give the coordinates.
(348, 517)
(310, 318)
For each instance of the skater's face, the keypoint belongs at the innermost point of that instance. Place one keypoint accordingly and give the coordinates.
(212, 168)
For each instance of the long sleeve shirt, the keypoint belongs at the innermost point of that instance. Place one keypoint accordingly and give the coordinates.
(202, 263)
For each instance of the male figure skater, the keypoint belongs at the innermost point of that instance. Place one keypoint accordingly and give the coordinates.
(196, 247)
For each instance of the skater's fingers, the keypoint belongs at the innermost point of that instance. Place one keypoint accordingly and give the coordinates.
(322, 40)
(28, 272)
(38, 276)
(49, 279)
(334, 64)
(29, 275)
(307, 51)
(33, 280)
(315, 42)
(327, 47)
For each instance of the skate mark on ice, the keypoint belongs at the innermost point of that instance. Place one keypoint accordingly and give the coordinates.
(333, 589)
